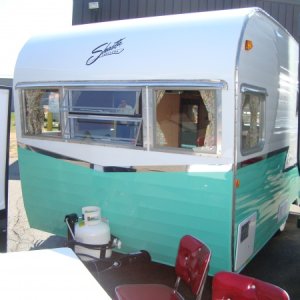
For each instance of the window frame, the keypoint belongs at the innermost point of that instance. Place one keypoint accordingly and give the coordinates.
(24, 125)
(92, 115)
(217, 88)
(147, 110)
(262, 94)
(66, 114)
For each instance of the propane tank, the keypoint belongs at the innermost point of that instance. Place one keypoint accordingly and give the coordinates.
(92, 230)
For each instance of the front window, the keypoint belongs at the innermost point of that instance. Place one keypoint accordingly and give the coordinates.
(186, 119)
(105, 102)
(252, 122)
(105, 116)
(42, 112)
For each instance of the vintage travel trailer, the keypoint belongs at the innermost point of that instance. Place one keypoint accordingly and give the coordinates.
(173, 125)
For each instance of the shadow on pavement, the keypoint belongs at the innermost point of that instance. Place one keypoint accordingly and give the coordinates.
(14, 171)
(279, 261)
(52, 242)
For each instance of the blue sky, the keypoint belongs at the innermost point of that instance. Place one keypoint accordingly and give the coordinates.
(21, 19)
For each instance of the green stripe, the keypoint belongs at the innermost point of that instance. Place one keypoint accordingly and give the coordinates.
(150, 211)
(263, 187)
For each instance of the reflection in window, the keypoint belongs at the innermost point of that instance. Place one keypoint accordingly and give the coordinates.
(186, 119)
(105, 102)
(106, 116)
(41, 112)
(106, 130)
(252, 122)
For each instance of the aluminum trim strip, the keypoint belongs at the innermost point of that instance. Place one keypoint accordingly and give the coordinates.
(213, 84)
(104, 118)
(253, 89)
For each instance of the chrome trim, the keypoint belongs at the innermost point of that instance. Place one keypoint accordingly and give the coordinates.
(148, 124)
(147, 88)
(57, 156)
(104, 118)
(219, 122)
(152, 119)
(219, 84)
(243, 88)
(236, 118)
(253, 89)
(141, 169)
(170, 169)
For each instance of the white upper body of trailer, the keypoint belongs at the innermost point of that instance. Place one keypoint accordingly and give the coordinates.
(206, 46)
(176, 47)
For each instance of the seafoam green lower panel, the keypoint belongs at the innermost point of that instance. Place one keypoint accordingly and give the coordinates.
(263, 187)
(150, 211)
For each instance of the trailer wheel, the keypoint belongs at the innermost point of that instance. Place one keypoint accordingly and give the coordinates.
(298, 222)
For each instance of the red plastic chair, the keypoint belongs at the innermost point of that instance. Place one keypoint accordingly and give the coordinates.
(192, 264)
(232, 286)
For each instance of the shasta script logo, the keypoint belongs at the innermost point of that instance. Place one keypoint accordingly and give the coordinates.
(105, 50)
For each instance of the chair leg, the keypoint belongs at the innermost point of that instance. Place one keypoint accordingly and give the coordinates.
(177, 283)
(202, 287)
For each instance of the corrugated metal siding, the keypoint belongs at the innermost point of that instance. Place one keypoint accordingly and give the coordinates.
(287, 12)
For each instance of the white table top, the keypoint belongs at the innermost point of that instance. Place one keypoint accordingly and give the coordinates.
(47, 274)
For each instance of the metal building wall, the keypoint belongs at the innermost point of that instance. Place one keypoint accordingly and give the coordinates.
(287, 12)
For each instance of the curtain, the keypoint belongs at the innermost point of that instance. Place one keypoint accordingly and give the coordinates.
(253, 131)
(160, 137)
(34, 111)
(208, 97)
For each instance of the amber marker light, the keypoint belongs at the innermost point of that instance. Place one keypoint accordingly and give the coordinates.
(237, 183)
(248, 45)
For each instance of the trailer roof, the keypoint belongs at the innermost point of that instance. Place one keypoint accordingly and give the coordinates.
(190, 46)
